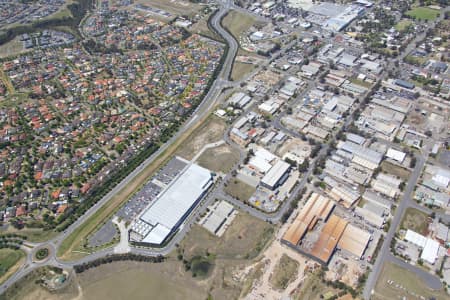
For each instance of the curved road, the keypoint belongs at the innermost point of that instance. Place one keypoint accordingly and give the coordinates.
(202, 110)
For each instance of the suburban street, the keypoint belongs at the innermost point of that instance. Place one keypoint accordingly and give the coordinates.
(385, 252)
(210, 100)
(220, 90)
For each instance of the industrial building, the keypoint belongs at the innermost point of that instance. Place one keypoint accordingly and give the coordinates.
(239, 100)
(331, 233)
(396, 155)
(342, 193)
(276, 176)
(220, 215)
(430, 247)
(386, 185)
(404, 84)
(164, 216)
(354, 240)
(363, 156)
(316, 208)
(370, 216)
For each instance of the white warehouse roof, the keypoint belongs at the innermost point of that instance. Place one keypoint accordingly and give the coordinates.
(276, 173)
(430, 251)
(415, 238)
(165, 214)
(430, 247)
(396, 155)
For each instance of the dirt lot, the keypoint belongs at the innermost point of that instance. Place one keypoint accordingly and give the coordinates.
(211, 131)
(404, 285)
(240, 70)
(27, 289)
(219, 159)
(237, 23)
(313, 288)
(239, 189)
(245, 237)
(284, 272)
(415, 220)
(395, 170)
(268, 77)
(135, 280)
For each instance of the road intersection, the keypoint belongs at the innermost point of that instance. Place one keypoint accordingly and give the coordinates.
(214, 96)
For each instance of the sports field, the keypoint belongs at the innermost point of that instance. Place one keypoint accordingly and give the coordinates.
(423, 13)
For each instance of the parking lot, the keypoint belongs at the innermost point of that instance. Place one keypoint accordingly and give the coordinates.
(151, 190)
(104, 235)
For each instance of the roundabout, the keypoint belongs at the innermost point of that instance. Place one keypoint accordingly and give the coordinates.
(41, 254)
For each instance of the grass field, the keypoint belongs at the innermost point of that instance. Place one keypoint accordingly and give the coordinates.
(76, 239)
(34, 235)
(408, 280)
(219, 159)
(13, 47)
(245, 238)
(176, 7)
(237, 22)
(395, 170)
(239, 189)
(423, 13)
(210, 131)
(240, 70)
(201, 27)
(284, 272)
(402, 25)
(8, 259)
(161, 281)
(415, 220)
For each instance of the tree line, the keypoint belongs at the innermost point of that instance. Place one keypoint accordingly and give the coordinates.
(117, 257)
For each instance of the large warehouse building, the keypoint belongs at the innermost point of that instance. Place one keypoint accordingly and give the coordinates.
(276, 176)
(316, 208)
(164, 216)
(316, 232)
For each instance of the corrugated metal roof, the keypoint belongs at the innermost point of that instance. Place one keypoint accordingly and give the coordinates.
(176, 201)
(275, 173)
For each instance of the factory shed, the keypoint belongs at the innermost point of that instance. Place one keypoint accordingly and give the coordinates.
(329, 237)
(430, 251)
(217, 217)
(415, 238)
(171, 208)
(316, 208)
(377, 199)
(404, 84)
(357, 139)
(396, 155)
(370, 217)
(430, 247)
(354, 240)
(276, 176)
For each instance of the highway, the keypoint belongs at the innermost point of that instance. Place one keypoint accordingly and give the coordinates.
(214, 96)
(210, 100)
